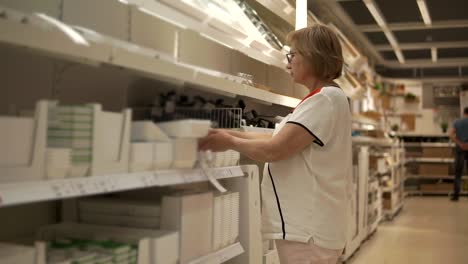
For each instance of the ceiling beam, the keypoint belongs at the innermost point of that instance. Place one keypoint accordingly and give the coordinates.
(416, 26)
(425, 45)
(428, 63)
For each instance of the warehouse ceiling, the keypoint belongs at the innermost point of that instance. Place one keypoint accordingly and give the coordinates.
(406, 42)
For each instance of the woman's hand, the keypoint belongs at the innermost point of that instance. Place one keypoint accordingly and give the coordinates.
(217, 140)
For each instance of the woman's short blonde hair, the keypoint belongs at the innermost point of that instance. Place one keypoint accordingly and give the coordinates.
(321, 48)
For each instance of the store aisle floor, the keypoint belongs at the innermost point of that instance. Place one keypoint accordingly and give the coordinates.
(429, 230)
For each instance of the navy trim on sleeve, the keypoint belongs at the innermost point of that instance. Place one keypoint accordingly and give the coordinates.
(317, 141)
(277, 202)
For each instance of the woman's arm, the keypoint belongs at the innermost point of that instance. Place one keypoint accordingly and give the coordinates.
(289, 141)
(248, 135)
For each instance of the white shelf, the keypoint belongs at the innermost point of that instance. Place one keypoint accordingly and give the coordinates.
(364, 120)
(372, 141)
(35, 191)
(87, 46)
(428, 144)
(435, 177)
(431, 160)
(220, 256)
(412, 134)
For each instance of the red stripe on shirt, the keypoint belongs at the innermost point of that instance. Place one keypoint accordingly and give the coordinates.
(314, 92)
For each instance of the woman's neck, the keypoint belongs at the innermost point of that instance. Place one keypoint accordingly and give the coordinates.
(314, 84)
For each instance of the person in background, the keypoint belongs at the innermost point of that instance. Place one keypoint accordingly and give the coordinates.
(308, 171)
(459, 135)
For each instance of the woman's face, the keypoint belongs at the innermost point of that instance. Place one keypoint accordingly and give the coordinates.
(297, 67)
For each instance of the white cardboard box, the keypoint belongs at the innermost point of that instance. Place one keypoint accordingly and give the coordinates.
(147, 131)
(185, 153)
(191, 215)
(163, 155)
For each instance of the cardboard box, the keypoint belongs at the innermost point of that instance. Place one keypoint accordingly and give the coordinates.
(438, 152)
(434, 169)
(409, 120)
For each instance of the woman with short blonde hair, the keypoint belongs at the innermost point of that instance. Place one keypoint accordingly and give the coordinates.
(308, 157)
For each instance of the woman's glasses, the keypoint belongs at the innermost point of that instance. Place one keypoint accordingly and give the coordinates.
(290, 56)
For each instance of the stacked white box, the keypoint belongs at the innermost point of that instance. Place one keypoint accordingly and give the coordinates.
(191, 215)
(141, 156)
(217, 222)
(72, 127)
(154, 246)
(58, 162)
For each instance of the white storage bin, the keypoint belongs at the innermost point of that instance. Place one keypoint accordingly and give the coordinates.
(185, 153)
(108, 17)
(189, 128)
(227, 220)
(58, 162)
(141, 156)
(23, 145)
(147, 131)
(16, 140)
(149, 30)
(200, 51)
(191, 215)
(163, 155)
(16, 254)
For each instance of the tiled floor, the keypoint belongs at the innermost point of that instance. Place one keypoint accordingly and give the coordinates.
(429, 230)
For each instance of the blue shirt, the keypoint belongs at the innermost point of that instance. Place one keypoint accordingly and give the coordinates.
(461, 127)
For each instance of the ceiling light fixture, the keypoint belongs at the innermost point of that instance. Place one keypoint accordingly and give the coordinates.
(434, 54)
(424, 12)
(375, 13)
(301, 14)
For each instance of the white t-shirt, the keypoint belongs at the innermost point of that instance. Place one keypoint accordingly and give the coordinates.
(304, 198)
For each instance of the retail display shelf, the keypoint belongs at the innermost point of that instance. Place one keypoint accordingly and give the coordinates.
(47, 35)
(373, 141)
(410, 134)
(221, 255)
(431, 160)
(434, 177)
(428, 144)
(391, 213)
(417, 192)
(35, 191)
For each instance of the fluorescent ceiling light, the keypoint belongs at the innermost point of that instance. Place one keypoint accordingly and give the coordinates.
(424, 12)
(400, 56)
(301, 14)
(434, 54)
(391, 38)
(375, 12)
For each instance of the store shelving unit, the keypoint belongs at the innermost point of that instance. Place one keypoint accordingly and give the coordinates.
(430, 164)
(17, 193)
